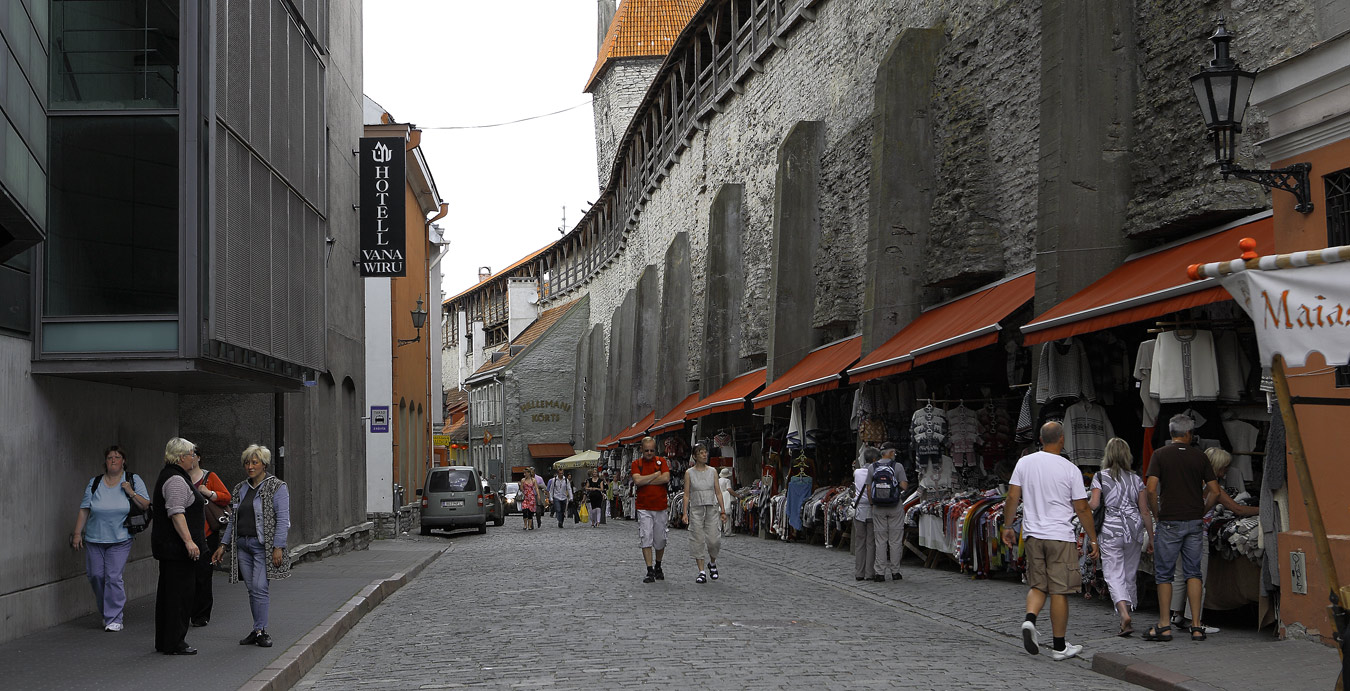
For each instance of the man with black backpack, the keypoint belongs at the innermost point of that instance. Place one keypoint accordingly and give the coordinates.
(886, 485)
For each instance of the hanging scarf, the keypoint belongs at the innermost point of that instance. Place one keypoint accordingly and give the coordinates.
(267, 490)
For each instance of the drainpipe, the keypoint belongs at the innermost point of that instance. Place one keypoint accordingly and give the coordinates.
(279, 433)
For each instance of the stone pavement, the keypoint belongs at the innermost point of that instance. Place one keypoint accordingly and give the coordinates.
(566, 609)
(81, 655)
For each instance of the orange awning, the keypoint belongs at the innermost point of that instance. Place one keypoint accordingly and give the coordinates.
(953, 327)
(608, 442)
(673, 420)
(821, 370)
(638, 429)
(1150, 284)
(551, 450)
(731, 397)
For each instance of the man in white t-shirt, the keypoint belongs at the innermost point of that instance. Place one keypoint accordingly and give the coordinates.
(1054, 492)
(864, 552)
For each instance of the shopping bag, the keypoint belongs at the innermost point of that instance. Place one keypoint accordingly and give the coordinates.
(585, 515)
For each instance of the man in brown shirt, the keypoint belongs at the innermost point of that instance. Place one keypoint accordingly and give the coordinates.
(1179, 476)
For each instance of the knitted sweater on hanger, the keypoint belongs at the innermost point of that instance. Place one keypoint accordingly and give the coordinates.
(1064, 373)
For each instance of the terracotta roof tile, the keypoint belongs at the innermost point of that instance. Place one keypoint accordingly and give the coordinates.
(528, 336)
(643, 28)
(503, 272)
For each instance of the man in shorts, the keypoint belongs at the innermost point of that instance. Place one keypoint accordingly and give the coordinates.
(1180, 479)
(651, 473)
(1053, 491)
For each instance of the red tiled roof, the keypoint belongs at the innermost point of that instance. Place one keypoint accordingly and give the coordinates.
(543, 451)
(642, 28)
(499, 274)
(1148, 285)
(820, 370)
(460, 430)
(961, 325)
(673, 420)
(528, 336)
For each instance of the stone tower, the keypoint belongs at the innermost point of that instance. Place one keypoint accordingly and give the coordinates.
(637, 36)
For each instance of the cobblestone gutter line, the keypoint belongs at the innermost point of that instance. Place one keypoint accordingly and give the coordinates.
(288, 669)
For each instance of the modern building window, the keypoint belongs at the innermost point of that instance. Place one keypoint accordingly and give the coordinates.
(16, 293)
(114, 54)
(1337, 186)
(112, 245)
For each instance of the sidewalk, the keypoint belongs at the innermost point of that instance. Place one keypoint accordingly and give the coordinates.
(81, 655)
(1236, 658)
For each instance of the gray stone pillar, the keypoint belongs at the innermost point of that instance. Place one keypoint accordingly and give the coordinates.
(619, 402)
(796, 236)
(724, 290)
(1087, 103)
(677, 297)
(597, 389)
(646, 335)
(899, 208)
(580, 393)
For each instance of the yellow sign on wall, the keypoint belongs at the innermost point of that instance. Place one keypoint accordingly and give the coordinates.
(440, 439)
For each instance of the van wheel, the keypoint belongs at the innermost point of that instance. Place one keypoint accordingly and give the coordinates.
(482, 529)
(500, 520)
(426, 530)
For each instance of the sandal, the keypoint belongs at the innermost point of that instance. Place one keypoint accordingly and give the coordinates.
(1198, 633)
(712, 571)
(702, 578)
(1126, 632)
(1159, 634)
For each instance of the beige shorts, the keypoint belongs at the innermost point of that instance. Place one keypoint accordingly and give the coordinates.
(1052, 566)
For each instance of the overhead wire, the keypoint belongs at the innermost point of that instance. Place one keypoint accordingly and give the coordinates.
(508, 122)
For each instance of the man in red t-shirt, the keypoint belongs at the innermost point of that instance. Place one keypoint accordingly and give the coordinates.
(651, 473)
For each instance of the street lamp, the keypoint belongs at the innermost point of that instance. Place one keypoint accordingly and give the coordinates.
(1222, 89)
(419, 319)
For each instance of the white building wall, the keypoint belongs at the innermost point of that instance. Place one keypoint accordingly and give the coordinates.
(522, 305)
(379, 392)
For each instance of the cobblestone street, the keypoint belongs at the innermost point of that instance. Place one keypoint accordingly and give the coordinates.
(566, 609)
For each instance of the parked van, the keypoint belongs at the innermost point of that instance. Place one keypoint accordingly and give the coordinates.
(453, 498)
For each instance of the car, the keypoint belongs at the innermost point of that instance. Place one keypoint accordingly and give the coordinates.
(511, 496)
(453, 498)
(496, 506)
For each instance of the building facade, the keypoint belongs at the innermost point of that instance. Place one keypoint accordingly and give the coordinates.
(176, 191)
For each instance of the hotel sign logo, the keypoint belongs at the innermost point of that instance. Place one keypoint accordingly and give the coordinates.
(383, 208)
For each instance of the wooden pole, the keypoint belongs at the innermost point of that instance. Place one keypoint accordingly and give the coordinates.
(1294, 438)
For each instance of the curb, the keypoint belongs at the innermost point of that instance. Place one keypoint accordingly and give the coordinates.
(292, 666)
(1141, 673)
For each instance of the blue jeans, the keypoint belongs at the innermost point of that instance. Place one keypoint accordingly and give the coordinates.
(104, 564)
(560, 510)
(253, 572)
(1177, 539)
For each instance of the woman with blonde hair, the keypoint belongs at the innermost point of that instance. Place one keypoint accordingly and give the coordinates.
(256, 537)
(703, 513)
(1125, 533)
(177, 538)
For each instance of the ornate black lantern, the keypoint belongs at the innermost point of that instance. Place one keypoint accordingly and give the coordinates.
(419, 319)
(1222, 90)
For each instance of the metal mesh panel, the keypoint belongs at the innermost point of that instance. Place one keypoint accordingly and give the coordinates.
(316, 138)
(260, 270)
(295, 120)
(278, 302)
(236, 254)
(235, 106)
(261, 66)
(295, 281)
(316, 334)
(282, 32)
(221, 22)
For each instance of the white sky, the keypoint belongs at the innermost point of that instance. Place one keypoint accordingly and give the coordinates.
(456, 62)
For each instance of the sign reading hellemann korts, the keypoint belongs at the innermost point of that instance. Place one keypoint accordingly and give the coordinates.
(383, 205)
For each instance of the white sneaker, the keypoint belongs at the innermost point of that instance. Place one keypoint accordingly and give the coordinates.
(1069, 651)
(1030, 638)
(1211, 630)
(114, 627)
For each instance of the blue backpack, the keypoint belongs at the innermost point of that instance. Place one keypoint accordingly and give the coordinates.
(885, 485)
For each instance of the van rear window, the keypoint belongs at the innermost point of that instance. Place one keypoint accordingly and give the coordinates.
(451, 481)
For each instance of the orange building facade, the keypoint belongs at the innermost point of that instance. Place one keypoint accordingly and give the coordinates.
(1308, 100)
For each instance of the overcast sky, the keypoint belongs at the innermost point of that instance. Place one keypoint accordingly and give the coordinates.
(443, 63)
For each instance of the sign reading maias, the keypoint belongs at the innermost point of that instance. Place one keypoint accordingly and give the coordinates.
(383, 234)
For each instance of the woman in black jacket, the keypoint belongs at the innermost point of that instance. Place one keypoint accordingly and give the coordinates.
(177, 541)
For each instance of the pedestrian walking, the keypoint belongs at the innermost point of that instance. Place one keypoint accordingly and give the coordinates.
(886, 485)
(1125, 533)
(724, 486)
(604, 497)
(217, 498)
(256, 538)
(595, 496)
(528, 491)
(1053, 491)
(704, 513)
(101, 532)
(541, 503)
(578, 503)
(177, 538)
(651, 474)
(864, 550)
(1178, 478)
(560, 494)
(1219, 460)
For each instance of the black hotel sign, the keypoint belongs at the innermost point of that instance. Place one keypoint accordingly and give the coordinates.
(383, 205)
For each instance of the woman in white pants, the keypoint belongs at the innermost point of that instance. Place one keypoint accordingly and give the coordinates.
(703, 513)
(724, 485)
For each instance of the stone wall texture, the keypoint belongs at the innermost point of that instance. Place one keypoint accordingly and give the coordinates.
(614, 97)
(988, 176)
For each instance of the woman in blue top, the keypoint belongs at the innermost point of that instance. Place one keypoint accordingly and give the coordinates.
(99, 530)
